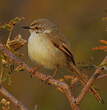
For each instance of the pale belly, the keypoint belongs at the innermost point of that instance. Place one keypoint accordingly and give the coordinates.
(42, 51)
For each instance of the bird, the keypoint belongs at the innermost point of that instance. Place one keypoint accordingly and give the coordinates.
(48, 47)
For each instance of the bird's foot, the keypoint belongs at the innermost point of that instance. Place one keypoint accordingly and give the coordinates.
(33, 70)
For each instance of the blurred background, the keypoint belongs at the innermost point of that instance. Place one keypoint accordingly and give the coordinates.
(80, 21)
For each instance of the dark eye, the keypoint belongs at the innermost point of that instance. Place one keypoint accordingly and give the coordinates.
(37, 28)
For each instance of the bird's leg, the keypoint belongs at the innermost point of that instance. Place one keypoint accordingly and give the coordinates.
(55, 72)
(51, 76)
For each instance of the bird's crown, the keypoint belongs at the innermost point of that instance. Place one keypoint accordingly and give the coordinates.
(42, 25)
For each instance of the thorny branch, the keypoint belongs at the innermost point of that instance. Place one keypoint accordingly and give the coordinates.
(8, 95)
(63, 87)
(90, 82)
(60, 85)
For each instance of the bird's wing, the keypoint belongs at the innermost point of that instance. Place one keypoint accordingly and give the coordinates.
(59, 42)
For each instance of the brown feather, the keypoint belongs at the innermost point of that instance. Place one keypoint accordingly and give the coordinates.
(59, 42)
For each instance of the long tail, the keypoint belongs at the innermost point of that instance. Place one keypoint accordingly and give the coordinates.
(83, 80)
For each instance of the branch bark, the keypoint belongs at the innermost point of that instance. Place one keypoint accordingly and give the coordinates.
(91, 81)
(8, 95)
(60, 85)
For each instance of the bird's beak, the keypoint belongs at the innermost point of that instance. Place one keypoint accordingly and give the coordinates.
(26, 27)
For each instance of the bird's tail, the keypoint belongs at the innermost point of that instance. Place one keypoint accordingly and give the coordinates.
(83, 80)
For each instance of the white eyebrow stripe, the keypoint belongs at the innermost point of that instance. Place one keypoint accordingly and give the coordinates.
(47, 31)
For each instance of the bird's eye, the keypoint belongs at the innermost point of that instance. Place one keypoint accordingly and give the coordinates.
(36, 27)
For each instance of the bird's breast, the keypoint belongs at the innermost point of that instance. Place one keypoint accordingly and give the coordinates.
(41, 50)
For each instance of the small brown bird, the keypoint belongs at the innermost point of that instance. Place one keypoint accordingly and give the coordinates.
(48, 47)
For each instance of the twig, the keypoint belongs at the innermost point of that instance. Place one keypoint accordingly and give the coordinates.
(8, 95)
(84, 81)
(86, 88)
(9, 37)
(62, 86)
(102, 76)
